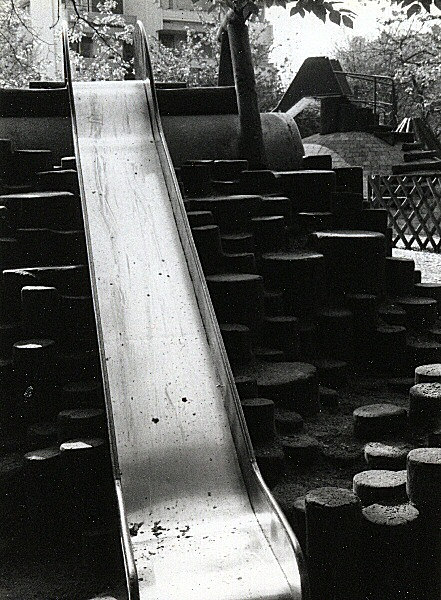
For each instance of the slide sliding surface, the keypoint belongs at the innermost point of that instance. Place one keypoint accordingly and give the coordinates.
(203, 524)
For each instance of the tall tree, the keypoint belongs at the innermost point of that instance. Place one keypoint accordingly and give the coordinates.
(409, 50)
(251, 144)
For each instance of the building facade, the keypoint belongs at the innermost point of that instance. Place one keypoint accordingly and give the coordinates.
(168, 20)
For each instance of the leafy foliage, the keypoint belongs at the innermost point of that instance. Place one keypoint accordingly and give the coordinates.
(16, 45)
(196, 61)
(409, 51)
(415, 7)
(325, 9)
(109, 35)
(322, 9)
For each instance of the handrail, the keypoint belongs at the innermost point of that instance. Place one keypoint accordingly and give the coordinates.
(386, 78)
(376, 80)
(378, 103)
(262, 496)
(129, 561)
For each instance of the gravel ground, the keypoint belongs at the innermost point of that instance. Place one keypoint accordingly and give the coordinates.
(428, 262)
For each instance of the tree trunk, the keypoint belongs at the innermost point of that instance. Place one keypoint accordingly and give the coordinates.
(225, 76)
(251, 144)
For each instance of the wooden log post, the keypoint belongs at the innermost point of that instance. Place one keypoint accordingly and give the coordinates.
(251, 144)
(225, 75)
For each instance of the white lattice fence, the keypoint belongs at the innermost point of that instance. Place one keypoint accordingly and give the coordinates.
(413, 203)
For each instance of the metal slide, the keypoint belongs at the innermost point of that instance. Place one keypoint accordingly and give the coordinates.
(206, 526)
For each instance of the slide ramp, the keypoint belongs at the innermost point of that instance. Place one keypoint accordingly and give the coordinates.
(203, 523)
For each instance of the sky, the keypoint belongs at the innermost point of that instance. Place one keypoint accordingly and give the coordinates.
(297, 37)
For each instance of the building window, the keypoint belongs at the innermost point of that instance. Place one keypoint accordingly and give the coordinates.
(84, 47)
(172, 39)
(93, 6)
(166, 39)
(127, 52)
(181, 5)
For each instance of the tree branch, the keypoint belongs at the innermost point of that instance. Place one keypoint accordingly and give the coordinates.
(28, 29)
(58, 16)
(14, 53)
(92, 25)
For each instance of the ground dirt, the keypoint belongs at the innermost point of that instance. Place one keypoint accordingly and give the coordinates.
(342, 455)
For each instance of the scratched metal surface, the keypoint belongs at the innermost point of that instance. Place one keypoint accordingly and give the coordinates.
(181, 480)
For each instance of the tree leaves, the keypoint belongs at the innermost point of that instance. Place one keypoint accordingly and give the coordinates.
(415, 6)
(328, 10)
(335, 17)
(250, 9)
(196, 61)
(343, 16)
(347, 21)
(18, 62)
(413, 10)
(324, 10)
(297, 10)
(107, 33)
(409, 53)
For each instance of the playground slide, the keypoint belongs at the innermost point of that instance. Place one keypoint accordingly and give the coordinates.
(202, 522)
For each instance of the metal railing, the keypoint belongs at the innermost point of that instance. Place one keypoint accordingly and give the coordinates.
(379, 93)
